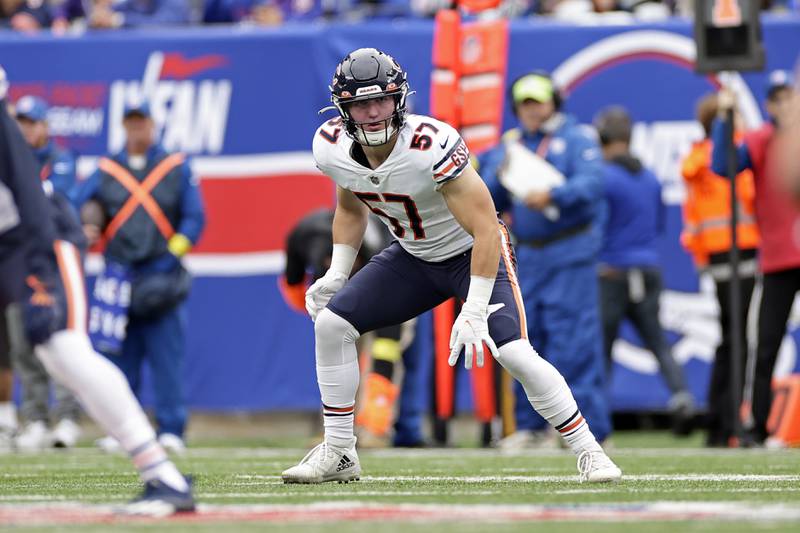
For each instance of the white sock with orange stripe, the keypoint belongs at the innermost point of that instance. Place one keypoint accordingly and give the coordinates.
(104, 392)
(548, 393)
(337, 376)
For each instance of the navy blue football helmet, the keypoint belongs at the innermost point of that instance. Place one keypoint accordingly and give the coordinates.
(364, 74)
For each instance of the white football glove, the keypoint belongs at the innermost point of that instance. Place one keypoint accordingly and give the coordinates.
(321, 291)
(470, 331)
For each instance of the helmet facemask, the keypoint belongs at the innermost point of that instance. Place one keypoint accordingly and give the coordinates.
(393, 123)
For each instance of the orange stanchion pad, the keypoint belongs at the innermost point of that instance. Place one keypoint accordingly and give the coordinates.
(784, 416)
(483, 389)
(483, 103)
(484, 47)
(474, 6)
(445, 39)
(443, 318)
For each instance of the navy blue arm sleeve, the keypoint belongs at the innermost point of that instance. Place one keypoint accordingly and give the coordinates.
(193, 217)
(19, 172)
(719, 156)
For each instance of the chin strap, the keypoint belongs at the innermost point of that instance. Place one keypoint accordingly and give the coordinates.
(385, 136)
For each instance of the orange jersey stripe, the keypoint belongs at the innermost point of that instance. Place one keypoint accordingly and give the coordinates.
(79, 286)
(445, 170)
(69, 290)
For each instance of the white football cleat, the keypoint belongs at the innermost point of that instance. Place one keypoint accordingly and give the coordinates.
(6, 438)
(325, 463)
(525, 439)
(33, 437)
(595, 467)
(172, 443)
(65, 434)
(109, 444)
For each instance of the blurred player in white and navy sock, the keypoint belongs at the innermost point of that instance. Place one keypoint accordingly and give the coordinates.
(44, 277)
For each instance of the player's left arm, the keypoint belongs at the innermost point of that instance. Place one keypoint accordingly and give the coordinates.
(471, 204)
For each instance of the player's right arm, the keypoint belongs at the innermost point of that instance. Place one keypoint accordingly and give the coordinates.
(349, 220)
(349, 225)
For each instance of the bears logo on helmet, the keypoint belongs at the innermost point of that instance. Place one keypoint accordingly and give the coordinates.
(364, 74)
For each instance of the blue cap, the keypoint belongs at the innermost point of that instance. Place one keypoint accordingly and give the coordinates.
(778, 79)
(31, 107)
(139, 108)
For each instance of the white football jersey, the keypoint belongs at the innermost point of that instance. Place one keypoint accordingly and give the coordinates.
(404, 190)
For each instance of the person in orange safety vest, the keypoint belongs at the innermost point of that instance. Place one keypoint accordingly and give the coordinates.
(707, 236)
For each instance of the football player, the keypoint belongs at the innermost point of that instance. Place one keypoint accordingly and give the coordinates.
(414, 172)
(44, 278)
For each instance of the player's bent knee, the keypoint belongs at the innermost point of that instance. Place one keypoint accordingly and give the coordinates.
(66, 352)
(522, 361)
(514, 350)
(331, 327)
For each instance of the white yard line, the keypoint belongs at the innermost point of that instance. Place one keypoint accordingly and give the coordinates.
(559, 479)
(293, 493)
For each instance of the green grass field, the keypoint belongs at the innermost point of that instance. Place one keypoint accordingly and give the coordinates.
(670, 485)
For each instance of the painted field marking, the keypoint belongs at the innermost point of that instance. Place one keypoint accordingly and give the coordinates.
(408, 512)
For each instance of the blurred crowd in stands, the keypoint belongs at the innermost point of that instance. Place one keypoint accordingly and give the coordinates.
(75, 16)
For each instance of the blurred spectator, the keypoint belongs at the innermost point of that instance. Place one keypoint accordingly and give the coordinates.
(57, 172)
(107, 14)
(779, 6)
(68, 12)
(546, 177)
(686, 7)
(707, 236)
(25, 15)
(594, 11)
(777, 217)
(276, 12)
(56, 164)
(428, 8)
(790, 144)
(144, 247)
(630, 277)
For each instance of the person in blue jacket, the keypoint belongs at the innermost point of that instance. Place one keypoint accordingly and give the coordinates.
(139, 14)
(558, 239)
(57, 175)
(629, 269)
(154, 216)
(56, 164)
